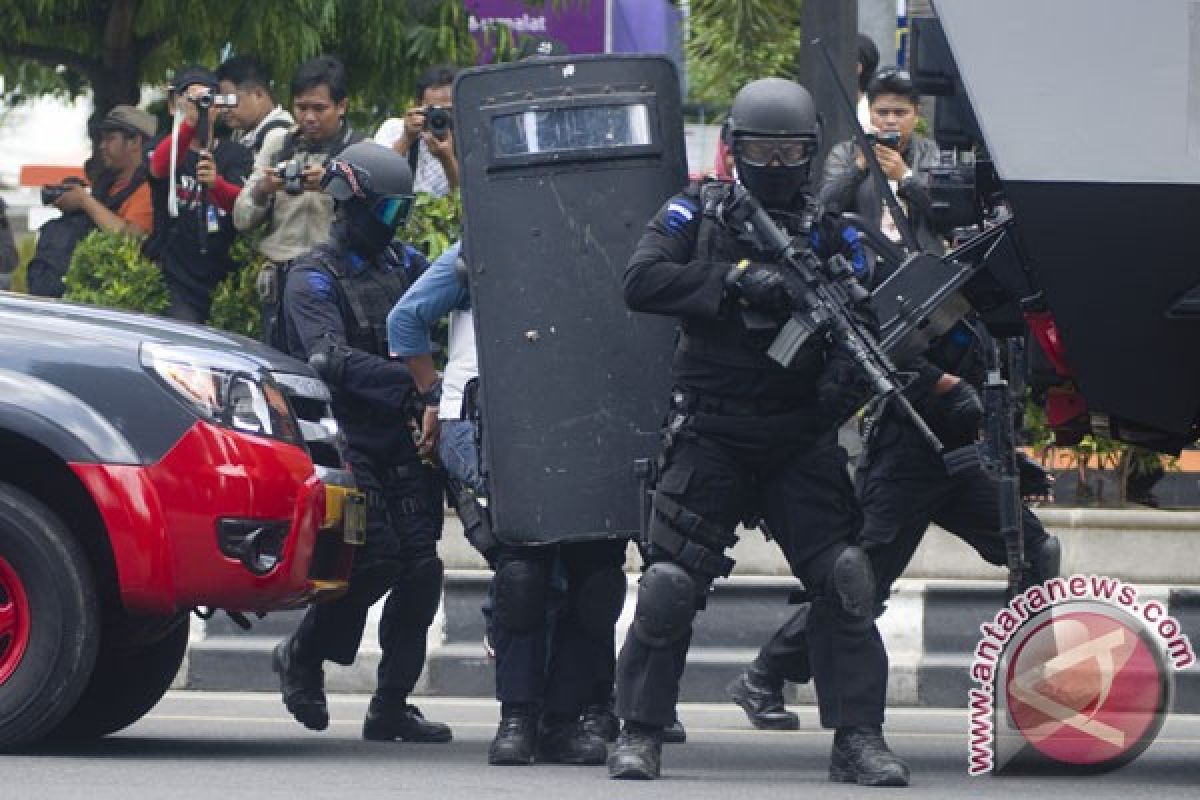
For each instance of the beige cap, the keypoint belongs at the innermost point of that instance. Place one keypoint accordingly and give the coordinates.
(130, 120)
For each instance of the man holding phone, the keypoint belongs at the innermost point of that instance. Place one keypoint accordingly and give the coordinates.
(904, 156)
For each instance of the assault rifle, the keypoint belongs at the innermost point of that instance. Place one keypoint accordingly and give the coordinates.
(924, 296)
(824, 293)
(999, 451)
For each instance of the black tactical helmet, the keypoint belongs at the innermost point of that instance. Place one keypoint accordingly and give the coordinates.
(774, 108)
(372, 187)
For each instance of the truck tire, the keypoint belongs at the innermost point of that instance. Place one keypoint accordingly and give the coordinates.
(49, 619)
(134, 669)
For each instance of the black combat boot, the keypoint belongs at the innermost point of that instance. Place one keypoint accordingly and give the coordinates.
(860, 755)
(638, 754)
(302, 686)
(516, 738)
(569, 742)
(387, 721)
(674, 733)
(762, 700)
(600, 720)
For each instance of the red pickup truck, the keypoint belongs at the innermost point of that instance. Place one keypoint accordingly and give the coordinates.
(148, 468)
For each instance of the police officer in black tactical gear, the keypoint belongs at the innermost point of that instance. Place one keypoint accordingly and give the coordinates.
(903, 487)
(335, 308)
(547, 666)
(747, 438)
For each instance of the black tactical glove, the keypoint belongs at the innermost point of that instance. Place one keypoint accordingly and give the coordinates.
(842, 388)
(955, 415)
(757, 286)
(1036, 482)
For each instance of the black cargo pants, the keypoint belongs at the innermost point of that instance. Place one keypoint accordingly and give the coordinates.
(903, 487)
(399, 559)
(554, 609)
(725, 469)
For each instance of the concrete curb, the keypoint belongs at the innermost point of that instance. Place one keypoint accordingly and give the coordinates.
(931, 628)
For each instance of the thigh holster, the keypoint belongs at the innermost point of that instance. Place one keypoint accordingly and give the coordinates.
(690, 540)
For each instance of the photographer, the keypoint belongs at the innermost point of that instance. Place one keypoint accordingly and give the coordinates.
(426, 133)
(284, 193)
(904, 156)
(256, 113)
(195, 180)
(119, 202)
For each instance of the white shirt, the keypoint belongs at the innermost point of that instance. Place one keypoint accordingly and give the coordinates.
(462, 364)
(430, 178)
(277, 113)
(864, 113)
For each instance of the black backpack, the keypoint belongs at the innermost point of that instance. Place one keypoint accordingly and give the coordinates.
(58, 238)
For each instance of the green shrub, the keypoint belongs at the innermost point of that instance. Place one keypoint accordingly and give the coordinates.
(435, 223)
(26, 247)
(108, 269)
(235, 304)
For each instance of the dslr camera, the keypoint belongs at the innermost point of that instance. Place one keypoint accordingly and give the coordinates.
(210, 99)
(438, 120)
(292, 175)
(51, 193)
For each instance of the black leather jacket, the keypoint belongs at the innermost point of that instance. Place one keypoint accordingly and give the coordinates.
(846, 188)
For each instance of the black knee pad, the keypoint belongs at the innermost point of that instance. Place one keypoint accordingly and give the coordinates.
(853, 583)
(1045, 561)
(421, 591)
(520, 589)
(599, 601)
(666, 604)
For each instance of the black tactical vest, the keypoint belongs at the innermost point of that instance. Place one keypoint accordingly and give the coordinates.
(729, 341)
(365, 297)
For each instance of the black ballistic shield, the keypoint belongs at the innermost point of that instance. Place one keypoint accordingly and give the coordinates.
(563, 161)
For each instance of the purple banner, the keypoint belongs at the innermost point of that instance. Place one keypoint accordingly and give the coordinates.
(579, 27)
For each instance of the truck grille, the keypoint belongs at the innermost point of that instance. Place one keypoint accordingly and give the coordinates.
(310, 401)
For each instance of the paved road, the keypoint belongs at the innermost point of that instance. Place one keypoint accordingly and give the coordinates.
(228, 746)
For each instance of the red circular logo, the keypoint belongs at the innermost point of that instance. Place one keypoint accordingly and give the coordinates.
(1087, 687)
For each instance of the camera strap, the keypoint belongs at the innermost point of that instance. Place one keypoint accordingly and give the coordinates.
(172, 198)
(291, 144)
(261, 136)
(114, 201)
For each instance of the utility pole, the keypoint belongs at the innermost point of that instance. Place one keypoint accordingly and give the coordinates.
(834, 22)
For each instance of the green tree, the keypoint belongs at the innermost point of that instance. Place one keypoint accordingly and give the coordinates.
(731, 42)
(114, 47)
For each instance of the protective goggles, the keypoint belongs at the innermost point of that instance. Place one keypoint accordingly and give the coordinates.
(759, 151)
(343, 181)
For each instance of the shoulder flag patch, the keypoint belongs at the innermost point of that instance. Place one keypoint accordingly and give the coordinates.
(681, 212)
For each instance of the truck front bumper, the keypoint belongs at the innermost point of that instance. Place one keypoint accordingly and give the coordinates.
(164, 523)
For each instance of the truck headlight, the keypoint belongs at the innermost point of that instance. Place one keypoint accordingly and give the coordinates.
(224, 391)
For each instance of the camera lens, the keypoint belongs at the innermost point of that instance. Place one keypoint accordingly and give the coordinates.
(293, 177)
(437, 120)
